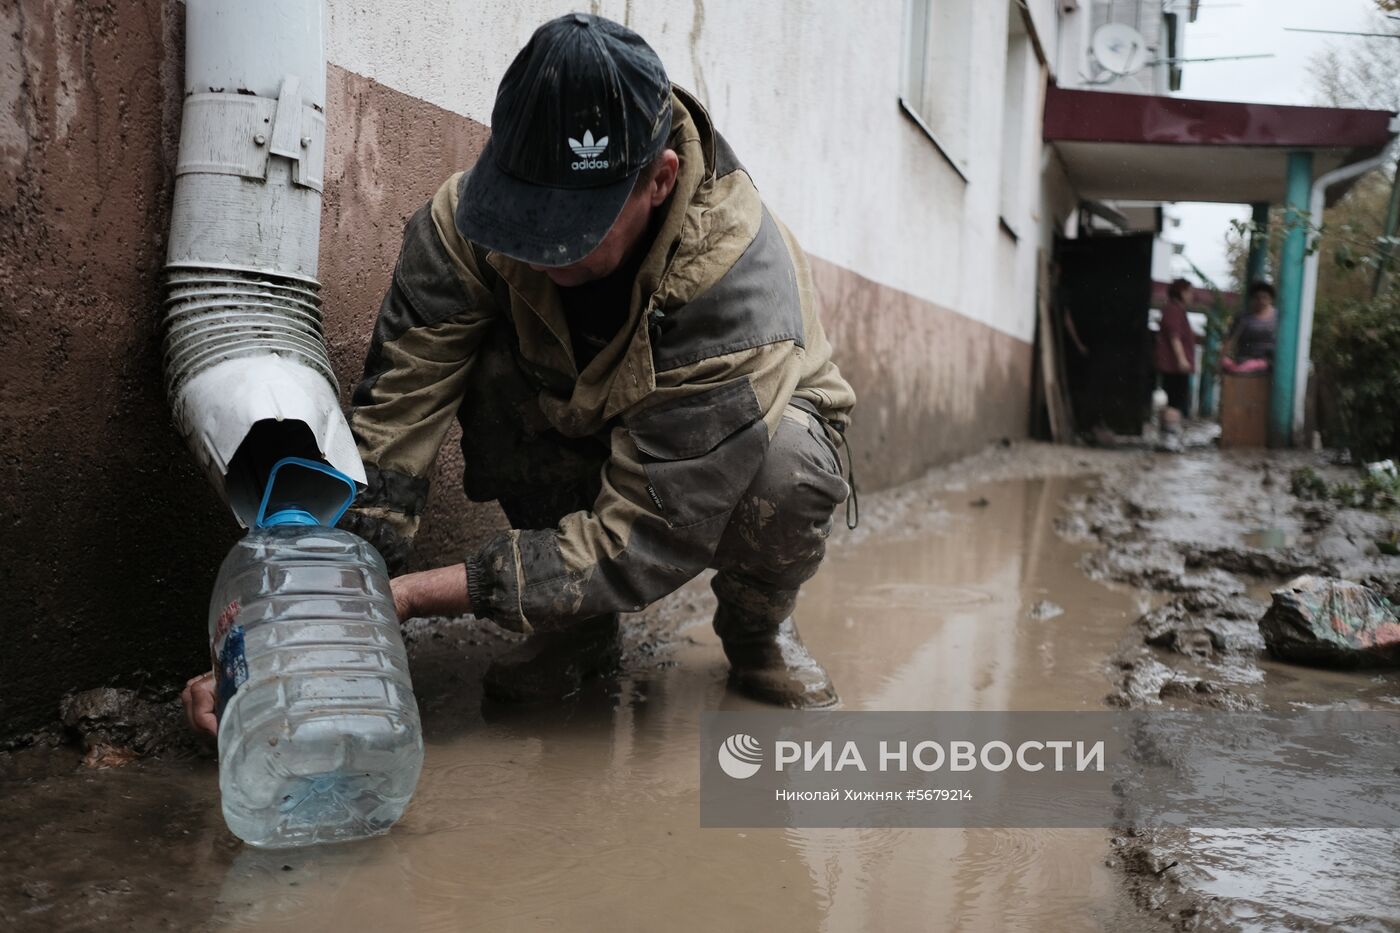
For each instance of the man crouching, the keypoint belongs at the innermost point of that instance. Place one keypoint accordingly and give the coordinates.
(629, 340)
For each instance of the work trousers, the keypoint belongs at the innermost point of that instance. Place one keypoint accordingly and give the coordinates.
(775, 538)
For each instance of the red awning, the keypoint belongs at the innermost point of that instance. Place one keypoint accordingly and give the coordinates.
(1140, 147)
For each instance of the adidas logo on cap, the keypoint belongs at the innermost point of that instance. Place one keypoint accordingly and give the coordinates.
(587, 149)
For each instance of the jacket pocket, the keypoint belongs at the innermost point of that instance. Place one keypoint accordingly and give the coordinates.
(700, 452)
(820, 435)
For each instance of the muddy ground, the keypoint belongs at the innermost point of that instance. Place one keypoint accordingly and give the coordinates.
(1028, 577)
(1210, 535)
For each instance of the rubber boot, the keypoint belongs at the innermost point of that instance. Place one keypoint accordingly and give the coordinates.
(769, 663)
(549, 666)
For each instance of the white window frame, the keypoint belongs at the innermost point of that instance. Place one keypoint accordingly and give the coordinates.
(1011, 169)
(914, 81)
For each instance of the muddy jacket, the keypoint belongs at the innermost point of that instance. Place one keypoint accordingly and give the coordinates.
(721, 334)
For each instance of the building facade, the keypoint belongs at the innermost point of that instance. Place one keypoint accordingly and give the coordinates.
(1161, 25)
(899, 139)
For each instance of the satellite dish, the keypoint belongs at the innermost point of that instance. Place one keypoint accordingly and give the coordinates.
(1119, 49)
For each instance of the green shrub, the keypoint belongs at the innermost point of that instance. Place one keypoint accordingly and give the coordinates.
(1306, 484)
(1357, 348)
(1377, 490)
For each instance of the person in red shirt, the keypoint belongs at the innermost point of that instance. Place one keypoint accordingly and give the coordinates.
(1175, 354)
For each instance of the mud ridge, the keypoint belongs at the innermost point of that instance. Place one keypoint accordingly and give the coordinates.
(1207, 536)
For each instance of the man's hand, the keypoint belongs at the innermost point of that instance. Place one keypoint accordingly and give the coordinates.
(198, 697)
(403, 601)
(439, 592)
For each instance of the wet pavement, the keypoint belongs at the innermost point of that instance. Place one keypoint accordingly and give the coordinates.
(584, 815)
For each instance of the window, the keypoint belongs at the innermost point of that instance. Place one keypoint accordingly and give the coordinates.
(1171, 28)
(937, 73)
(1117, 11)
(1013, 118)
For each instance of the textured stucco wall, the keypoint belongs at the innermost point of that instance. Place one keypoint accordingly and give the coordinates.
(113, 537)
(805, 90)
(386, 153)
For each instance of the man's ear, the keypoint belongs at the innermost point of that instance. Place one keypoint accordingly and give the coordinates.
(664, 179)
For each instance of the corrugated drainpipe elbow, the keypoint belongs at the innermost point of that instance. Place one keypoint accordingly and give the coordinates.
(246, 368)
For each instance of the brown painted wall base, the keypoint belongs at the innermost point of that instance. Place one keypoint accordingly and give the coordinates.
(930, 385)
(386, 154)
(112, 538)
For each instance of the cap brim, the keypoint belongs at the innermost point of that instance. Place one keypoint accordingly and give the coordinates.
(536, 224)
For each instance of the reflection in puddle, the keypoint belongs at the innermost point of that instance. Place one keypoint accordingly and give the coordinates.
(1337, 878)
(917, 596)
(586, 816)
(1270, 539)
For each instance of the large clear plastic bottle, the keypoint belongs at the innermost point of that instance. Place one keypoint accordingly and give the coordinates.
(319, 737)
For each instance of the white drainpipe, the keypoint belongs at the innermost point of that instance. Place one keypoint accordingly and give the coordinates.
(1305, 317)
(246, 368)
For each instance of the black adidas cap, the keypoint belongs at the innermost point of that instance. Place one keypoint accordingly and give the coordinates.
(582, 109)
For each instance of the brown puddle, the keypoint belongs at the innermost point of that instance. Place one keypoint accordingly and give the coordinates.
(584, 815)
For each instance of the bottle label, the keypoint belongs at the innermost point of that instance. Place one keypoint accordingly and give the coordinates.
(230, 659)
